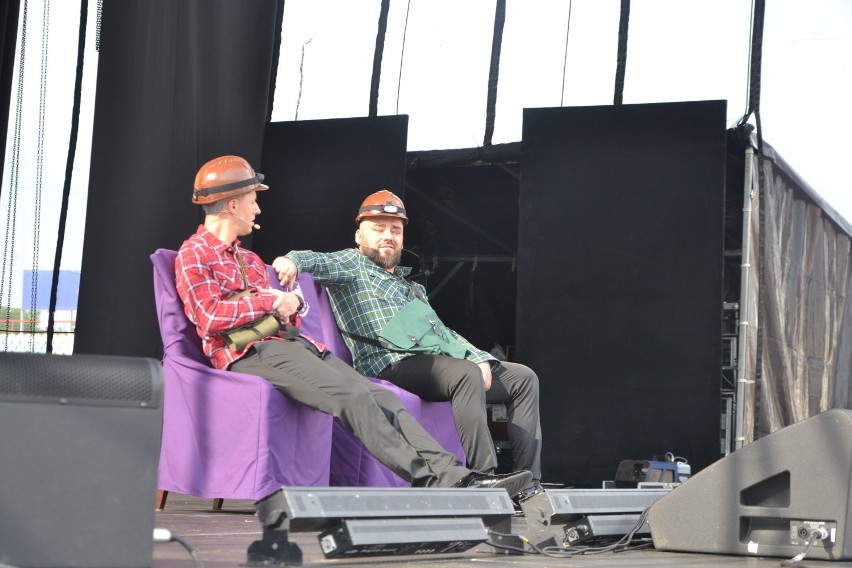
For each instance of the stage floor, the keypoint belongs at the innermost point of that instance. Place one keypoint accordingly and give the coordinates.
(221, 539)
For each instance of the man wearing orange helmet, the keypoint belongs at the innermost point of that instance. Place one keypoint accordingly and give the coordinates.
(373, 300)
(225, 287)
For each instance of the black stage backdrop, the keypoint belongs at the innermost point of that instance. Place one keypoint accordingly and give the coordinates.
(462, 242)
(319, 172)
(620, 282)
(178, 83)
(8, 41)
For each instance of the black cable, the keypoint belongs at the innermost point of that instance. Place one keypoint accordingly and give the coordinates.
(754, 75)
(819, 534)
(565, 57)
(192, 552)
(402, 56)
(69, 168)
(621, 545)
(621, 56)
(535, 549)
(165, 535)
(377, 58)
(507, 547)
(744, 118)
(494, 70)
(756, 56)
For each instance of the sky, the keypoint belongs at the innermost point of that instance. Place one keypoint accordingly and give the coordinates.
(435, 69)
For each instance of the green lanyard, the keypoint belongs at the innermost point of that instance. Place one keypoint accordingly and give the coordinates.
(242, 268)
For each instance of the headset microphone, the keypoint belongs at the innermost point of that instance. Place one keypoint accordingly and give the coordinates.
(255, 226)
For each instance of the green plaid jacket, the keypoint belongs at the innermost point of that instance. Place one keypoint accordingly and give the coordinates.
(364, 296)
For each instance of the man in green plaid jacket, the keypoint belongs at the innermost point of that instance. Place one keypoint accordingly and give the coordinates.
(367, 288)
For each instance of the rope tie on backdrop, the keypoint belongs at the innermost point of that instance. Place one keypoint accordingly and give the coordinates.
(42, 106)
(377, 58)
(755, 61)
(494, 71)
(565, 57)
(11, 209)
(621, 57)
(301, 78)
(69, 169)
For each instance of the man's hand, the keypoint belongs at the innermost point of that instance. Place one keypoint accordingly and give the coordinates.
(486, 373)
(286, 270)
(285, 305)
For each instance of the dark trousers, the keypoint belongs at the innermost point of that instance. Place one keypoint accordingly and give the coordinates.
(374, 414)
(440, 378)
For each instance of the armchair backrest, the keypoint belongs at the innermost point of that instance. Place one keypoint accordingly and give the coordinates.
(181, 339)
(318, 318)
(177, 332)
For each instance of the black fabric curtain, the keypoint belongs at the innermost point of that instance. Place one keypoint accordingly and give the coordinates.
(9, 13)
(178, 83)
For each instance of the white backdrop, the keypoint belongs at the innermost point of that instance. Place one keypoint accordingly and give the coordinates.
(677, 50)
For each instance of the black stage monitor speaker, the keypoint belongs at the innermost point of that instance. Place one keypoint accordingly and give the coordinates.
(80, 439)
(768, 498)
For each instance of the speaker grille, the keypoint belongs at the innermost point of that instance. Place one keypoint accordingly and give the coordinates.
(79, 379)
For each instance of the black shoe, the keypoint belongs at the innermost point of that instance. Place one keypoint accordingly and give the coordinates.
(525, 494)
(513, 482)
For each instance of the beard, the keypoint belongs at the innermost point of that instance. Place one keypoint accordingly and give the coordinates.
(388, 261)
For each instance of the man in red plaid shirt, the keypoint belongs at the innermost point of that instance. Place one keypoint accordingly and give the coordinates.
(212, 268)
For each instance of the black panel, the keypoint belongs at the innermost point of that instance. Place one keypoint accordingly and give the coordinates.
(179, 83)
(319, 172)
(462, 240)
(620, 282)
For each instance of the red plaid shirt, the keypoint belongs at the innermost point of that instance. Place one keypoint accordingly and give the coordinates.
(207, 274)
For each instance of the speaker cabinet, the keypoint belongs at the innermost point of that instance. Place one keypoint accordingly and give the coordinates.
(767, 498)
(80, 438)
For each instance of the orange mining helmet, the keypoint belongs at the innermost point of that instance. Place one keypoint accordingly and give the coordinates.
(382, 204)
(225, 177)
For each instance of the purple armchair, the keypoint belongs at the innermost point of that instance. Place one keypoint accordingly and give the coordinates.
(227, 435)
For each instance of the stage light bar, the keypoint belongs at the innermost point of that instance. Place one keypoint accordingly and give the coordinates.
(317, 508)
(421, 515)
(390, 537)
(548, 512)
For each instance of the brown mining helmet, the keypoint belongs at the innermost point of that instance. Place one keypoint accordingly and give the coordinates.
(225, 177)
(383, 203)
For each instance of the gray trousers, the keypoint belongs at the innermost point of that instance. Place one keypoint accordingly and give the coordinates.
(440, 378)
(374, 414)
